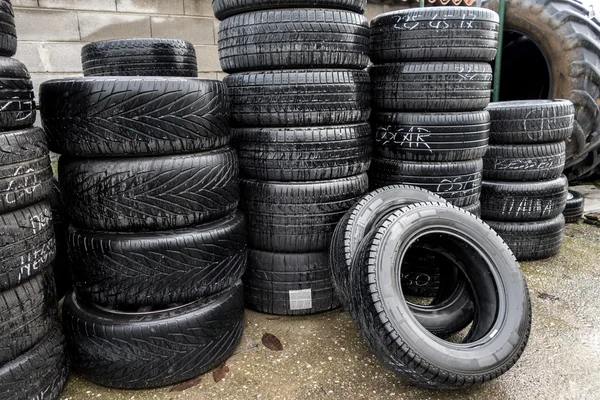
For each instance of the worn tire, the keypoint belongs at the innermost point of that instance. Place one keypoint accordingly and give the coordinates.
(60, 266)
(149, 193)
(393, 333)
(8, 33)
(27, 244)
(474, 208)
(122, 116)
(524, 162)
(303, 153)
(570, 41)
(164, 267)
(138, 350)
(574, 208)
(44, 366)
(533, 240)
(297, 217)
(25, 170)
(531, 121)
(225, 8)
(299, 97)
(17, 107)
(294, 38)
(139, 57)
(431, 86)
(460, 33)
(431, 137)
(523, 201)
(289, 283)
(458, 182)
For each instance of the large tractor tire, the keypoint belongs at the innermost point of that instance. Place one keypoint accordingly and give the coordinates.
(551, 50)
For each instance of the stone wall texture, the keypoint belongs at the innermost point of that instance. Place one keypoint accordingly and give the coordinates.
(52, 32)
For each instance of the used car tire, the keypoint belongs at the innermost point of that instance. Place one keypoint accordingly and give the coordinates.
(523, 201)
(164, 267)
(294, 38)
(297, 217)
(431, 86)
(139, 57)
(431, 137)
(60, 266)
(149, 193)
(17, 107)
(460, 33)
(299, 97)
(225, 8)
(574, 208)
(124, 116)
(8, 33)
(185, 341)
(532, 240)
(303, 153)
(502, 323)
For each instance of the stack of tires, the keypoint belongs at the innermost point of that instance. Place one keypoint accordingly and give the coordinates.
(300, 101)
(524, 192)
(32, 345)
(430, 85)
(150, 184)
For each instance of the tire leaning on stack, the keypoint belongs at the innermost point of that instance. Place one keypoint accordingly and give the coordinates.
(300, 104)
(156, 246)
(32, 345)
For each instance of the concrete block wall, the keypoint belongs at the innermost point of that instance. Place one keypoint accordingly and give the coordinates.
(52, 32)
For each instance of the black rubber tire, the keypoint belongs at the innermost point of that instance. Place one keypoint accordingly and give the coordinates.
(153, 268)
(533, 240)
(44, 367)
(27, 312)
(139, 57)
(60, 224)
(27, 244)
(289, 283)
(431, 86)
(294, 38)
(391, 330)
(17, 107)
(531, 121)
(149, 193)
(431, 137)
(8, 33)
(25, 170)
(570, 42)
(145, 349)
(474, 208)
(359, 220)
(460, 33)
(226, 8)
(304, 153)
(299, 97)
(297, 217)
(574, 208)
(459, 182)
(123, 116)
(524, 162)
(523, 201)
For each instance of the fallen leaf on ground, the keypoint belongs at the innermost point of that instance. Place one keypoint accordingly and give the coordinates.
(271, 342)
(546, 296)
(220, 372)
(186, 385)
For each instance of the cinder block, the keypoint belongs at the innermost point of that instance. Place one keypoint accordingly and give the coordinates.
(50, 57)
(92, 5)
(207, 75)
(102, 26)
(221, 75)
(24, 3)
(151, 6)
(216, 23)
(195, 30)
(198, 7)
(208, 58)
(36, 24)
(373, 10)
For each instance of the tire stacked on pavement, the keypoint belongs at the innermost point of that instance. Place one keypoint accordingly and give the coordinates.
(524, 192)
(431, 82)
(300, 102)
(150, 185)
(33, 362)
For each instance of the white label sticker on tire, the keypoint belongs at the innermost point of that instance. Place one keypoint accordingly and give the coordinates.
(300, 299)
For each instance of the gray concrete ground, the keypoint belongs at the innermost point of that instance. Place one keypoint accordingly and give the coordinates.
(324, 357)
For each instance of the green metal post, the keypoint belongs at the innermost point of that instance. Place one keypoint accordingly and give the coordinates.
(498, 63)
(421, 3)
